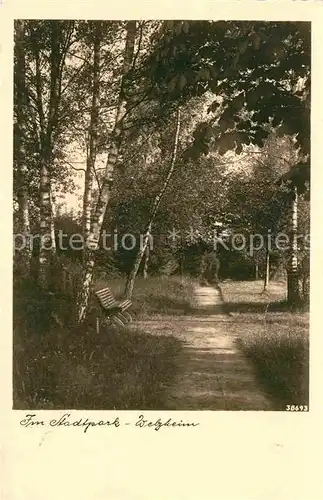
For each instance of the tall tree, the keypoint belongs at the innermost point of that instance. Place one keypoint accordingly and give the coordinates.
(48, 44)
(293, 294)
(21, 99)
(258, 71)
(93, 130)
(156, 204)
(52, 221)
(146, 262)
(46, 155)
(104, 196)
(297, 182)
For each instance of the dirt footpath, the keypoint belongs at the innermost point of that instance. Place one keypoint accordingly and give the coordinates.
(212, 373)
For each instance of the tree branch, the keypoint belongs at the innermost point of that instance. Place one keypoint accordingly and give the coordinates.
(139, 46)
(72, 78)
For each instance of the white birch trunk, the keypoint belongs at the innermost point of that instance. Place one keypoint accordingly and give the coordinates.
(93, 133)
(132, 276)
(104, 196)
(293, 292)
(267, 270)
(52, 222)
(146, 263)
(45, 227)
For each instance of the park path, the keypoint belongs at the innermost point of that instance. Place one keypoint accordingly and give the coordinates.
(212, 373)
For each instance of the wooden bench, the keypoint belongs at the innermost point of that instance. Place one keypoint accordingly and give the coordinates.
(114, 310)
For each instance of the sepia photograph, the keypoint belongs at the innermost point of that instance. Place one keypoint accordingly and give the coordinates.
(161, 215)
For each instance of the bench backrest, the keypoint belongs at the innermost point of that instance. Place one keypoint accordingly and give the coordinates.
(106, 298)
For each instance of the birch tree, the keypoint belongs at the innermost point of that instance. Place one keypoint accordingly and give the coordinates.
(146, 262)
(93, 132)
(297, 183)
(92, 243)
(267, 269)
(46, 156)
(293, 292)
(147, 234)
(48, 44)
(20, 150)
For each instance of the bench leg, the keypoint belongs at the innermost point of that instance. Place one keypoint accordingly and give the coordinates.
(119, 318)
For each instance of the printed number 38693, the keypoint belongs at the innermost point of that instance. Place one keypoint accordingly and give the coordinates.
(296, 408)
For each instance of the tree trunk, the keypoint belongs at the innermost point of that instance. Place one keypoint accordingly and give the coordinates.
(293, 292)
(52, 222)
(45, 226)
(132, 276)
(46, 244)
(21, 103)
(267, 270)
(203, 269)
(256, 270)
(92, 243)
(134, 271)
(93, 133)
(182, 260)
(147, 253)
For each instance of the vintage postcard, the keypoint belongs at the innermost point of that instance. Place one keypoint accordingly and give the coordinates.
(160, 294)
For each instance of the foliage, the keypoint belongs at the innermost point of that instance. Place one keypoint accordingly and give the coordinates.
(258, 71)
(242, 87)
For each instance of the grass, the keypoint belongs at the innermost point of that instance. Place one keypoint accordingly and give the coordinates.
(158, 295)
(71, 367)
(275, 339)
(117, 370)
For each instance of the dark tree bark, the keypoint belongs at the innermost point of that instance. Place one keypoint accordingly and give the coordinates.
(47, 131)
(24, 255)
